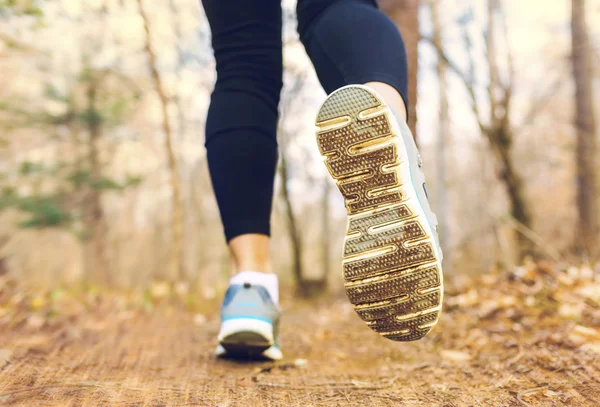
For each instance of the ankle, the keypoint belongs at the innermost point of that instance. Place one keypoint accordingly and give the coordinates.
(250, 252)
(269, 281)
(391, 97)
(256, 267)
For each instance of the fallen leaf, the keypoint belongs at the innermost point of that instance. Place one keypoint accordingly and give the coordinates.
(455, 355)
(488, 309)
(583, 334)
(586, 273)
(5, 357)
(300, 362)
(571, 311)
(209, 293)
(489, 279)
(95, 326)
(244, 382)
(199, 319)
(565, 279)
(507, 301)
(592, 347)
(551, 393)
(35, 321)
(573, 272)
(590, 291)
(360, 383)
(182, 288)
(465, 300)
(32, 341)
(160, 289)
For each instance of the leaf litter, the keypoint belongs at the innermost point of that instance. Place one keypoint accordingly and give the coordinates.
(528, 336)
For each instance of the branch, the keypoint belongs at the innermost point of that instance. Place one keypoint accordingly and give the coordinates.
(535, 238)
(15, 44)
(490, 52)
(469, 84)
(509, 53)
(177, 206)
(539, 104)
(286, 104)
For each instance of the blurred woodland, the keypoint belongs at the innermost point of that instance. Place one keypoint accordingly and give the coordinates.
(103, 175)
(112, 256)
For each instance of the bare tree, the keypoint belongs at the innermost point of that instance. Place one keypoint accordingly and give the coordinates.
(176, 253)
(500, 133)
(293, 101)
(443, 201)
(496, 126)
(405, 13)
(585, 124)
(94, 214)
(294, 232)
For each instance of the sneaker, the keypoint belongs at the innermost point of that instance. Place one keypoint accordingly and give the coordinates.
(392, 257)
(249, 324)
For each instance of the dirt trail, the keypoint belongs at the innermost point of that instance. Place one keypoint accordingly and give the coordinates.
(503, 341)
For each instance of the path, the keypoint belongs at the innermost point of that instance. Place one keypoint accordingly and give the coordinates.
(503, 341)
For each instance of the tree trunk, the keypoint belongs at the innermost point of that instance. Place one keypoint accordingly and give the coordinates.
(176, 252)
(443, 142)
(295, 239)
(585, 124)
(181, 121)
(498, 132)
(405, 13)
(94, 217)
(515, 189)
(500, 136)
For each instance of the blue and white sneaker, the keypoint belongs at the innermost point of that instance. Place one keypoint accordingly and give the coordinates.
(392, 257)
(249, 324)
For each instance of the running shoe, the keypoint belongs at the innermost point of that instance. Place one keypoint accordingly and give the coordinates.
(392, 257)
(249, 324)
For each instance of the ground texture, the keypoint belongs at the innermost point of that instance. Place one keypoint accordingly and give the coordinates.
(529, 337)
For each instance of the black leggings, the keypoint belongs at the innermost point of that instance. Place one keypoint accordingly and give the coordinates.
(348, 41)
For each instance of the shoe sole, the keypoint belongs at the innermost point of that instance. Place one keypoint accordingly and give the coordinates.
(245, 344)
(392, 265)
(245, 336)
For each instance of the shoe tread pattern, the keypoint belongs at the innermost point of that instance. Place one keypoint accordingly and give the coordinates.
(392, 272)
